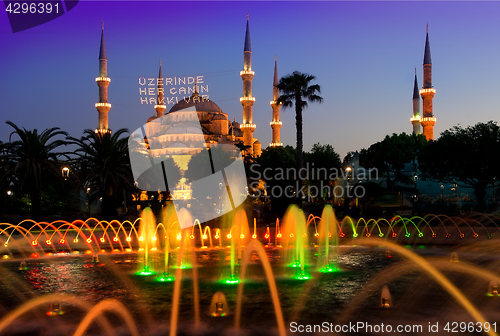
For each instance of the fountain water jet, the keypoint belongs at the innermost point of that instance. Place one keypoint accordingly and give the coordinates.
(218, 306)
(107, 305)
(22, 266)
(185, 220)
(493, 288)
(239, 234)
(327, 225)
(385, 297)
(256, 246)
(43, 300)
(146, 234)
(294, 226)
(435, 274)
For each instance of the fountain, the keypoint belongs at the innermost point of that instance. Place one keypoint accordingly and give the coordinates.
(385, 297)
(328, 234)
(55, 309)
(22, 266)
(493, 288)
(355, 261)
(238, 236)
(147, 239)
(295, 238)
(218, 306)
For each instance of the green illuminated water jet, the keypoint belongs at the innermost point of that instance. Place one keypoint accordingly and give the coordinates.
(239, 234)
(328, 234)
(295, 236)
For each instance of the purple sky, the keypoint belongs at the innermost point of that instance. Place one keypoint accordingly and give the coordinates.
(363, 55)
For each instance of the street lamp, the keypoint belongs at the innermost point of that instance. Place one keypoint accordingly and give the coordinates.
(65, 172)
(442, 190)
(494, 196)
(415, 178)
(88, 199)
(455, 189)
(348, 173)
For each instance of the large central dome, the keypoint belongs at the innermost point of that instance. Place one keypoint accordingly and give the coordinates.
(201, 104)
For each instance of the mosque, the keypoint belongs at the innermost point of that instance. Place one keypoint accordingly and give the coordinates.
(216, 126)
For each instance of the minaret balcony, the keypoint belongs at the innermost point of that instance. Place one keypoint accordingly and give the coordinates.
(103, 130)
(428, 90)
(160, 106)
(274, 102)
(428, 119)
(272, 123)
(247, 72)
(103, 79)
(275, 144)
(247, 99)
(247, 125)
(415, 119)
(103, 105)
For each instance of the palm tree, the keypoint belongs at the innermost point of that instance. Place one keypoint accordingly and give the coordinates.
(296, 88)
(105, 166)
(31, 159)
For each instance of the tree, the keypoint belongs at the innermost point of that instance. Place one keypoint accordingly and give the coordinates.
(469, 157)
(296, 89)
(323, 156)
(105, 166)
(391, 155)
(199, 165)
(275, 167)
(209, 165)
(325, 164)
(31, 159)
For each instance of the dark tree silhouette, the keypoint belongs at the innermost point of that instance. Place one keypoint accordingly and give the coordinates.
(467, 156)
(105, 166)
(391, 155)
(295, 89)
(31, 159)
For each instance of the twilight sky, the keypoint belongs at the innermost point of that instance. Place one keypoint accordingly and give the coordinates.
(363, 55)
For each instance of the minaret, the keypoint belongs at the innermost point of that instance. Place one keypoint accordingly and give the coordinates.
(415, 120)
(103, 81)
(247, 100)
(276, 123)
(427, 93)
(160, 103)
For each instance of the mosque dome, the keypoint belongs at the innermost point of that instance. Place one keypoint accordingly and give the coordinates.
(201, 104)
(220, 116)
